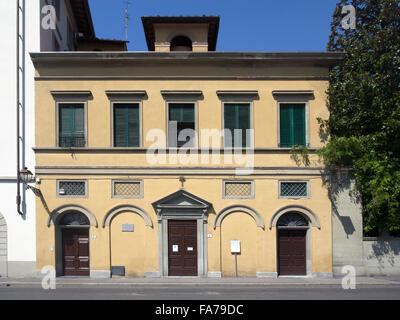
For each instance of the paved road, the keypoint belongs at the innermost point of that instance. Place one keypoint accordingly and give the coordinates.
(195, 292)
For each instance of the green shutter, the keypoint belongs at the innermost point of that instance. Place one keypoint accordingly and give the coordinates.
(236, 116)
(285, 125)
(126, 125)
(181, 112)
(243, 120)
(71, 125)
(292, 125)
(299, 125)
(229, 122)
(133, 126)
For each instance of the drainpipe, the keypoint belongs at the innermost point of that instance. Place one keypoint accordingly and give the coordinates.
(18, 114)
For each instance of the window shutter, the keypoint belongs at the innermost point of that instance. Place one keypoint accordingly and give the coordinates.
(174, 112)
(71, 125)
(120, 120)
(187, 113)
(79, 120)
(126, 125)
(65, 122)
(285, 125)
(133, 125)
(229, 122)
(299, 125)
(243, 120)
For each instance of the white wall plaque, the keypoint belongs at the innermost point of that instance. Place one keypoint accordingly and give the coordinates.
(127, 227)
(235, 246)
(175, 248)
(189, 248)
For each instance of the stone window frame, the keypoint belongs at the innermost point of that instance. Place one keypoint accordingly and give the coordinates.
(238, 97)
(140, 196)
(224, 196)
(58, 195)
(293, 97)
(126, 96)
(71, 97)
(182, 97)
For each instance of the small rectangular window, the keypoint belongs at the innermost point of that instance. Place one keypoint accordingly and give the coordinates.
(127, 189)
(238, 189)
(236, 125)
(293, 189)
(126, 125)
(71, 125)
(181, 124)
(67, 188)
(292, 124)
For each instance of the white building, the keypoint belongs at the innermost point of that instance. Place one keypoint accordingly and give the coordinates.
(17, 230)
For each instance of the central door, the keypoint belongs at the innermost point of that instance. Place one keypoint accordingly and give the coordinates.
(292, 252)
(76, 252)
(182, 247)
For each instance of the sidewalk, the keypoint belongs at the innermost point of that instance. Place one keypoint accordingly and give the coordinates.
(177, 281)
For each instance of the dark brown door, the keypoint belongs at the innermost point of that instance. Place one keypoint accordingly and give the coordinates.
(75, 252)
(182, 247)
(292, 252)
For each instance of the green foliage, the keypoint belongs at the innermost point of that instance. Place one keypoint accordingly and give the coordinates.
(364, 106)
(299, 154)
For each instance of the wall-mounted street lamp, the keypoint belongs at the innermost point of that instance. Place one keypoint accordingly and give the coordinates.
(26, 177)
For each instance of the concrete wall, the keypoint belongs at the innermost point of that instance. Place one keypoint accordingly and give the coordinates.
(382, 256)
(347, 232)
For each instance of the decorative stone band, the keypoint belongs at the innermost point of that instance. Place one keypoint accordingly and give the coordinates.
(163, 171)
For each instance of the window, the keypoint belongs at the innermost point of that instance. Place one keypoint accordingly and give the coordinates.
(127, 189)
(238, 189)
(71, 125)
(292, 124)
(72, 188)
(181, 43)
(181, 124)
(294, 189)
(236, 125)
(126, 125)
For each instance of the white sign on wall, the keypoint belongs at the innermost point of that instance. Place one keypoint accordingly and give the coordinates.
(235, 246)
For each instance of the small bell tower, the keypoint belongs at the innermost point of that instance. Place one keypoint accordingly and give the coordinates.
(196, 34)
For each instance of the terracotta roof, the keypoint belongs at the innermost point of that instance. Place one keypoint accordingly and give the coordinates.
(213, 21)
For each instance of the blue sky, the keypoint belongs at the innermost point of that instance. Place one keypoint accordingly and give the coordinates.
(254, 25)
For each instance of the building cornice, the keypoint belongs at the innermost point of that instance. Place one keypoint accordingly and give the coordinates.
(322, 58)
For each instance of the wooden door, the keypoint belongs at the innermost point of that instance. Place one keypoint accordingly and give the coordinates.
(182, 247)
(292, 252)
(75, 244)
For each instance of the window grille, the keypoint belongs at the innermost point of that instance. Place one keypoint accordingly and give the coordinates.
(238, 189)
(127, 189)
(293, 189)
(72, 188)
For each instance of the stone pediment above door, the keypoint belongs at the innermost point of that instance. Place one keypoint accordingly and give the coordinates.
(181, 200)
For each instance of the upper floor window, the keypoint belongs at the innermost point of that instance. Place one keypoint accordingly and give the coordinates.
(181, 43)
(71, 125)
(292, 124)
(181, 124)
(237, 125)
(126, 124)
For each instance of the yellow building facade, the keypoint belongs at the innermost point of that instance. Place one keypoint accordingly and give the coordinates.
(122, 194)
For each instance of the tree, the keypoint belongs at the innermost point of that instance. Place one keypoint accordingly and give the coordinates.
(364, 106)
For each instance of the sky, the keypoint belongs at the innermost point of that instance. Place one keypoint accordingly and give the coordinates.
(252, 25)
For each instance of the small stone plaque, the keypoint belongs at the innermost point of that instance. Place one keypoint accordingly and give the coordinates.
(127, 227)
